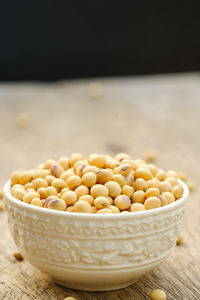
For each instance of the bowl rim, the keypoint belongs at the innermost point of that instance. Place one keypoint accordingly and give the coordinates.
(52, 212)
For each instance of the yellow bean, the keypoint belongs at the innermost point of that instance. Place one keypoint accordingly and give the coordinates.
(94, 91)
(140, 185)
(101, 202)
(17, 186)
(177, 191)
(22, 120)
(1, 192)
(143, 173)
(70, 208)
(56, 170)
(113, 188)
(119, 179)
(180, 239)
(38, 183)
(138, 197)
(82, 207)
(42, 192)
(139, 161)
(97, 160)
(81, 191)
(122, 202)
(173, 181)
(112, 163)
(161, 175)
(73, 181)
(129, 178)
(121, 156)
(163, 200)
(168, 196)
(30, 190)
(38, 173)
(49, 179)
(89, 179)
(104, 211)
(152, 202)
(110, 200)
(152, 192)
(28, 197)
(158, 295)
(80, 167)
(59, 184)
(19, 193)
(127, 190)
(90, 169)
(69, 197)
(191, 185)
(114, 209)
(57, 204)
(75, 157)
(171, 173)
(124, 169)
(104, 175)
(133, 164)
(66, 174)
(14, 178)
(64, 191)
(18, 256)
(153, 169)
(28, 185)
(137, 207)
(25, 177)
(49, 163)
(94, 210)
(64, 162)
(50, 190)
(87, 198)
(150, 155)
(37, 202)
(165, 186)
(153, 183)
(99, 190)
(40, 166)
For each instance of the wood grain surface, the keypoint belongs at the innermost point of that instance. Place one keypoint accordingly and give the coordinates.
(131, 115)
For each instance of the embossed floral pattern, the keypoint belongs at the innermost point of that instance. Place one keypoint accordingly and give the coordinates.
(93, 243)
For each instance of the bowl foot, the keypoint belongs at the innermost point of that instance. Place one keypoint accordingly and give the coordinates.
(90, 289)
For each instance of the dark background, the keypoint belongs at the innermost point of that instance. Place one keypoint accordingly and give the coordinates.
(50, 40)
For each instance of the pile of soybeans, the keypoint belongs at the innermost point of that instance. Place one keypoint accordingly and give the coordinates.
(99, 184)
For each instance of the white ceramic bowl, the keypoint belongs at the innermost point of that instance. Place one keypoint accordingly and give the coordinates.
(94, 252)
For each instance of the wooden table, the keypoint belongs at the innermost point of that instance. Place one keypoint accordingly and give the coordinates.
(132, 114)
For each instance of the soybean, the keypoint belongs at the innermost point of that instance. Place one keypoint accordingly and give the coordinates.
(99, 190)
(158, 295)
(137, 207)
(113, 188)
(89, 179)
(69, 197)
(82, 207)
(73, 181)
(81, 191)
(97, 160)
(122, 202)
(152, 202)
(101, 202)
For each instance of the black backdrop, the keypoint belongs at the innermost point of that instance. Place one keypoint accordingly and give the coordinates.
(48, 40)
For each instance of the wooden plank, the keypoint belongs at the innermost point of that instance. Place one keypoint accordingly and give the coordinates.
(132, 114)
